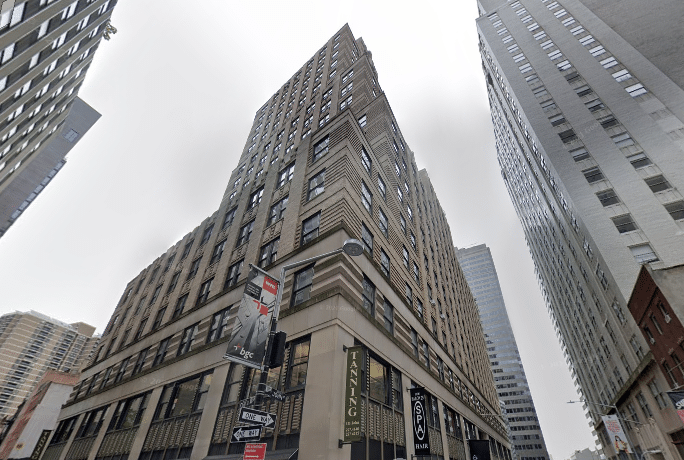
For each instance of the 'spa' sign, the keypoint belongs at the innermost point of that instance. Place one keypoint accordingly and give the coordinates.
(421, 437)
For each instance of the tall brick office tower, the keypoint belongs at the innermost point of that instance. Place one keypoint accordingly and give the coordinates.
(46, 48)
(324, 161)
(588, 112)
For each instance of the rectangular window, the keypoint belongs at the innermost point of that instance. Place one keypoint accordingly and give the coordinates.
(362, 121)
(405, 256)
(409, 295)
(636, 90)
(207, 234)
(367, 240)
(416, 273)
(316, 185)
(205, 290)
(269, 253)
(639, 160)
(159, 317)
(608, 197)
(644, 405)
(624, 223)
(384, 263)
(676, 209)
(245, 233)
(217, 252)
(310, 228)
(388, 314)
(219, 325)
(233, 274)
(579, 154)
(187, 339)
(161, 351)
(368, 296)
(255, 198)
(320, 148)
(366, 160)
(382, 221)
(594, 105)
(366, 197)
(583, 90)
(277, 211)
(285, 175)
(299, 363)
(658, 183)
(301, 290)
(567, 136)
(194, 267)
(593, 174)
(426, 354)
(414, 342)
(140, 361)
(419, 308)
(180, 305)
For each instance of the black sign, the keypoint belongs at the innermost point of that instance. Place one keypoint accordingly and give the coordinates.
(248, 401)
(479, 449)
(421, 437)
(246, 433)
(264, 419)
(270, 392)
(40, 445)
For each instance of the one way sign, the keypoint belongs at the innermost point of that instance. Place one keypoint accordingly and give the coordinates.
(246, 433)
(265, 419)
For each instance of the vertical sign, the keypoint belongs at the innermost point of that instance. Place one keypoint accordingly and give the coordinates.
(677, 398)
(248, 341)
(352, 400)
(40, 445)
(616, 435)
(479, 449)
(421, 437)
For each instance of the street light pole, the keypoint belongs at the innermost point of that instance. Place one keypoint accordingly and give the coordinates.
(351, 247)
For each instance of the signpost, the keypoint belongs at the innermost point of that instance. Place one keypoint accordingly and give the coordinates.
(421, 437)
(264, 419)
(246, 433)
(255, 451)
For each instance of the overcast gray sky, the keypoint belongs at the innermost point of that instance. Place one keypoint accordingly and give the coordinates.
(178, 87)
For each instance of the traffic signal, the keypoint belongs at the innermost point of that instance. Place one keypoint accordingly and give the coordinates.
(277, 350)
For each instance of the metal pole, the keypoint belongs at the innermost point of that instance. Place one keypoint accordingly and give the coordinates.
(276, 311)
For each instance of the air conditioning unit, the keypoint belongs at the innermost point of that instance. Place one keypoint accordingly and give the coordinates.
(442, 316)
(432, 302)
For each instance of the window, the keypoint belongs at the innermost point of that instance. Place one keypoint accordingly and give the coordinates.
(426, 354)
(194, 267)
(180, 305)
(388, 315)
(409, 295)
(122, 370)
(416, 273)
(593, 174)
(320, 148)
(636, 90)
(624, 223)
(299, 363)
(159, 317)
(567, 136)
(379, 387)
(643, 253)
(161, 351)
(187, 339)
(579, 154)
(384, 263)
(368, 296)
(676, 210)
(217, 252)
(205, 290)
(409, 211)
(245, 233)
(405, 256)
(277, 211)
(140, 362)
(302, 285)
(367, 239)
(639, 160)
(141, 329)
(316, 185)
(402, 221)
(285, 175)
(207, 234)
(362, 121)
(183, 397)
(644, 405)
(419, 308)
(366, 197)
(233, 274)
(366, 161)
(594, 105)
(597, 51)
(382, 188)
(269, 253)
(608, 197)
(310, 228)
(414, 342)
(658, 183)
(219, 325)
(255, 198)
(129, 412)
(382, 221)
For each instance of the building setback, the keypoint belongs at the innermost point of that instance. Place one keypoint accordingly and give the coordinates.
(32, 343)
(324, 161)
(527, 440)
(46, 48)
(588, 109)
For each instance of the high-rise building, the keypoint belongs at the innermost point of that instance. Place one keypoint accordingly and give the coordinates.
(325, 160)
(587, 107)
(32, 343)
(527, 440)
(46, 48)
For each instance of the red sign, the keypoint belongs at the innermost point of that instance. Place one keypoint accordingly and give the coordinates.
(255, 452)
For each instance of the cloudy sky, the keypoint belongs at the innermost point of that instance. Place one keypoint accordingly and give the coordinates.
(178, 87)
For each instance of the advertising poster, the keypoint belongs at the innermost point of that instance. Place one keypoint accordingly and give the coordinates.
(421, 437)
(677, 398)
(247, 343)
(615, 434)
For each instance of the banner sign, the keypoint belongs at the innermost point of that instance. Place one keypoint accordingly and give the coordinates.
(352, 401)
(677, 398)
(247, 343)
(479, 449)
(421, 437)
(616, 434)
